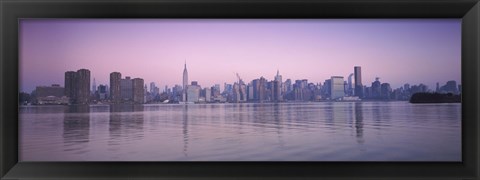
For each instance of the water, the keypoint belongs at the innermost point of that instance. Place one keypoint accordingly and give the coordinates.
(321, 131)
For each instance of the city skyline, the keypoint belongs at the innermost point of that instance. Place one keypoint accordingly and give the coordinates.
(51, 47)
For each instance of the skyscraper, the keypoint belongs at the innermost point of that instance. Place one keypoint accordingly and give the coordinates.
(70, 85)
(358, 81)
(115, 78)
(277, 87)
(94, 86)
(350, 90)
(337, 87)
(126, 89)
(138, 90)
(82, 81)
(262, 94)
(185, 83)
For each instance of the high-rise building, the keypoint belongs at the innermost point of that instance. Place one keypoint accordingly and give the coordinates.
(102, 92)
(243, 91)
(115, 87)
(82, 81)
(208, 94)
(385, 91)
(277, 87)
(350, 89)
(94, 86)
(337, 87)
(256, 88)
(138, 90)
(193, 93)
(376, 88)
(277, 94)
(185, 83)
(262, 92)
(327, 87)
(449, 87)
(288, 85)
(358, 81)
(70, 85)
(250, 92)
(126, 89)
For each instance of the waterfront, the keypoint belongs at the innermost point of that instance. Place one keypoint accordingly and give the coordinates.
(320, 131)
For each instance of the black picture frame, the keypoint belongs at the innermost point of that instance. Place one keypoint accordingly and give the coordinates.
(467, 10)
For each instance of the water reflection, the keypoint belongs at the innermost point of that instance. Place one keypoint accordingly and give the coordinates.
(125, 123)
(76, 128)
(359, 122)
(185, 129)
(385, 131)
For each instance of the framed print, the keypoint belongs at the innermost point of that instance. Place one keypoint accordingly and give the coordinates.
(219, 89)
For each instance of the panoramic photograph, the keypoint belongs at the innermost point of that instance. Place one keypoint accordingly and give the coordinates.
(317, 90)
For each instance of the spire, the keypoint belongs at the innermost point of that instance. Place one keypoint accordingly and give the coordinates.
(277, 72)
(185, 63)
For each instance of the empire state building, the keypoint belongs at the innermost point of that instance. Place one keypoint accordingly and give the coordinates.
(185, 83)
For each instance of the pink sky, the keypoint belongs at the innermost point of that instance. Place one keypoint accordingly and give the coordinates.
(398, 51)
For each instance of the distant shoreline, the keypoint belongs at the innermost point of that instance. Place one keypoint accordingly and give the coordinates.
(418, 98)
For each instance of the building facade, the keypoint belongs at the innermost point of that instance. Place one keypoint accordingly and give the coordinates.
(115, 94)
(70, 85)
(185, 83)
(358, 81)
(126, 89)
(82, 91)
(138, 91)
(337, 87)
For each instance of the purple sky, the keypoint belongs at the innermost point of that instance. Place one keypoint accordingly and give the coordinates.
(396, 50)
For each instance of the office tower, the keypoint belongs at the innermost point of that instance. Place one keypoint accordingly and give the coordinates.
(337, 87)
(185, 83)
(243, 91)
(358, 81)
(50, 95)
(115, 87)
(277, 96)
(346, 88)
(82, 81)
(126, 89)
(153, 88)
(195, 83)
(102, 92)
(70, 85)
(288, 85)
(449, 87)
(256, 88)
(385, 91)
(138, 90)
(236, 93)
(215, 90)
(327, 88)
(208, 94)
(53, 90)
(350, 90)
(262, 94)
(406, 88)
(94, 86)
(193, 93)
(277, 87)
(250, 91)
(376, 88)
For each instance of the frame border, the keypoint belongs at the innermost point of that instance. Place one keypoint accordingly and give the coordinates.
(11, 10)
